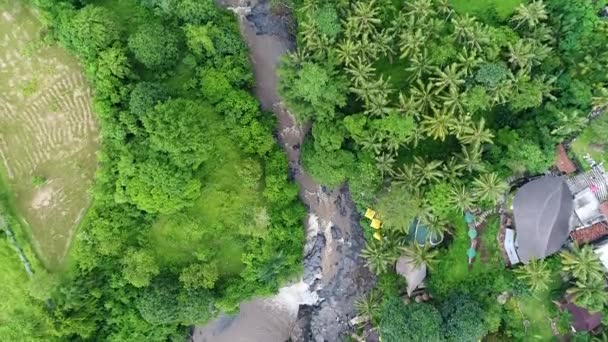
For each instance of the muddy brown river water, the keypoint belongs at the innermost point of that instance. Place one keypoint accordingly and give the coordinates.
(334, 275)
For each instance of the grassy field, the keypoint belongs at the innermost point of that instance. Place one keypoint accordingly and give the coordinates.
(503, 8)
(48, 134)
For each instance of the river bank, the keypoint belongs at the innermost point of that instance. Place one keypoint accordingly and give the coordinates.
(320, 306)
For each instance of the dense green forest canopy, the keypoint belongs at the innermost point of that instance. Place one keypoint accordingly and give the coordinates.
(425, 110)
(192, 208)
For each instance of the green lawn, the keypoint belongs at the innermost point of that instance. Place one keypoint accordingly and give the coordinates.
(504, 8)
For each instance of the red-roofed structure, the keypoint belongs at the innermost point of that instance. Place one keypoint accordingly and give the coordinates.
(589, 234)
(604, 208)
(563, 162)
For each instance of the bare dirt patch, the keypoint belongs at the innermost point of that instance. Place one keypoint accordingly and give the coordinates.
(48, 134)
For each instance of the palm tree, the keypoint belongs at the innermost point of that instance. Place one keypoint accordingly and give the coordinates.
(383, 44)
(379, 256)
(378, 104)
(468, 60)
(384, 163)
(443, 7)
(365, 14)
(460, 124)
(423, 97)
(452, 169)
(521, 54)
(530, 14)
(416, 136)
(420, 64)
(601, 100)
(420, 9)
(427, 172)
(449, 77)
(371, 142)
(421, 255)
(488, 187)
(436, 226)
(569, 124)
(406, 177)
(462, 198)
(360, 72)
(453, 101)
(591, 295)
(438, 125)
(477, 135)
(346, 51)
(536, 274)
(369, 305)
(582, 263)
(410, 42)
(463, 27)
(470, 158)
(477, 37)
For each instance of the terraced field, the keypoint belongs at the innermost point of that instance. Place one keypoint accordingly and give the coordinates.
(48, 134)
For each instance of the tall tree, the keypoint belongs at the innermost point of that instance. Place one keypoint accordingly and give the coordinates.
(591, 295)
(421, 255)
(488, 187)
(530, 14)
(536, 274)
(582, 263)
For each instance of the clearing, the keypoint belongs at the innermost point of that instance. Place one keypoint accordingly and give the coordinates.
(48, 133)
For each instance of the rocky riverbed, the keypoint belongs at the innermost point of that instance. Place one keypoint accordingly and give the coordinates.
(321, 305)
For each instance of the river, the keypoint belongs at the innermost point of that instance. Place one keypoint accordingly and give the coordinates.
(320, 306)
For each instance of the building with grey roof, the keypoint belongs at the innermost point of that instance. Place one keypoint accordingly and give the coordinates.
(541, 210)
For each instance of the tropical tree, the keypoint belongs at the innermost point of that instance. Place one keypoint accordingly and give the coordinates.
(468, 60)
(371, 142)
(410, 42)
(462, 198)
(470, 158)
(379, 256)
(420, 64)
(420, 9)
(421, 255)
(384, 163)
(347, 51)
(582, 263)
(453, 169)
(477, 134)
(453, 101)
(463, 27)
(450, 77)
(521, 54)
(437, 126)
(569, 124)
(427, 172)
(365, 16)
(601, 99)
(530, 14)
(488, 187)
(591, 295)
(423, 96)
(360, 72)
(444, 8)
(536, 274)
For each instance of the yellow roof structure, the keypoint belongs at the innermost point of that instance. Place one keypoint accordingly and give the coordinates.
(377, 236)
(376, 224)
(370, 213)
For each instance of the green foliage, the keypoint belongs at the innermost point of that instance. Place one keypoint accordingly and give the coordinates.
(88, 31)
(38, 181)
(155, 46)
(192, 208)
(144, 96)
(463, 318)
(312, 90)
(329, 168)
(413, 322)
